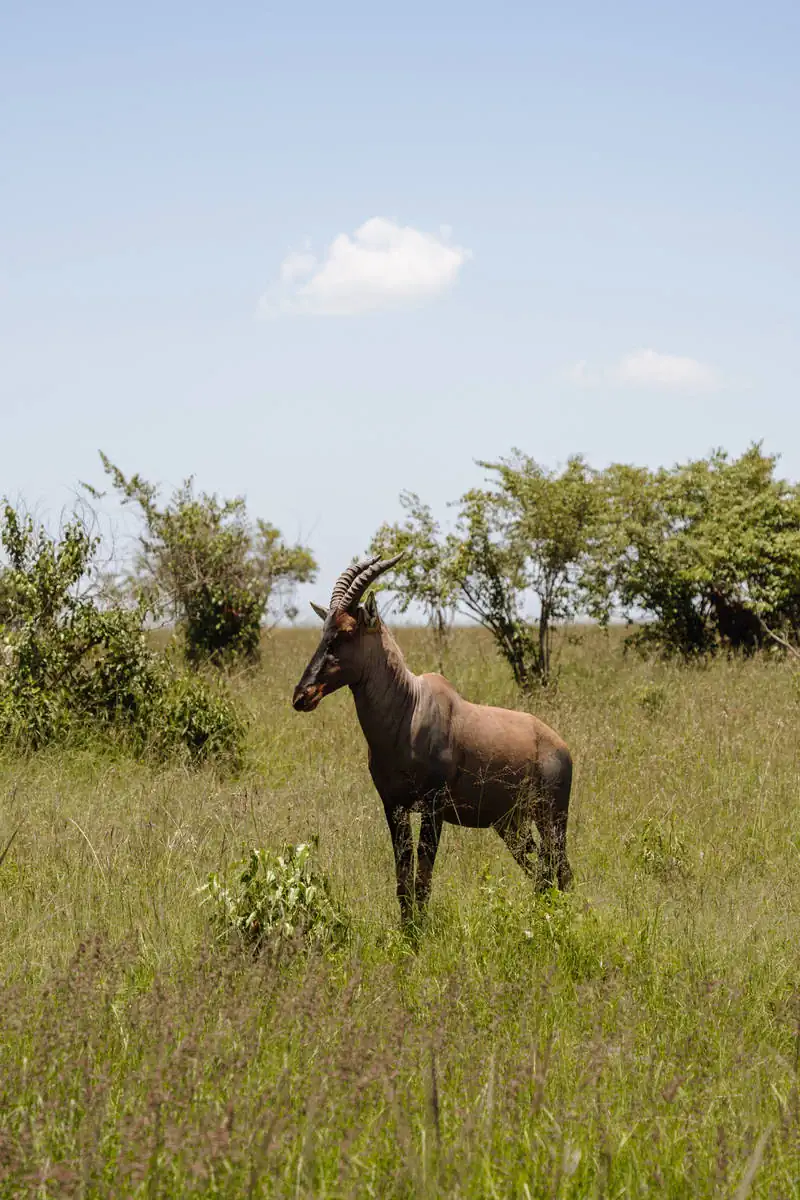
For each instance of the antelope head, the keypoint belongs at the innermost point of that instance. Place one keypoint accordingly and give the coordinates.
(347, 630)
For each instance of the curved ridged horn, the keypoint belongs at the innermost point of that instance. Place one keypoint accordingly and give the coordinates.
(365, 578)
(346, 578)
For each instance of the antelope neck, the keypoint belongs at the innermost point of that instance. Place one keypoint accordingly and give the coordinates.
(386, 694)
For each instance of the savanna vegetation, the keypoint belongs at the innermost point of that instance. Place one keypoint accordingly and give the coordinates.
(205, 990)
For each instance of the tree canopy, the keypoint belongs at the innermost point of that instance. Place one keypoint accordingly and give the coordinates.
(214, 571)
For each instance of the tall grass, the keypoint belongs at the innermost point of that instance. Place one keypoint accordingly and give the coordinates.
(639, 1037)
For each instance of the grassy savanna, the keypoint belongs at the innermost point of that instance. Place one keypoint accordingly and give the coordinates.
(639, 1036)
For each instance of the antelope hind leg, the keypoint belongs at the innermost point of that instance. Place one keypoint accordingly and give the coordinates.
(517, 833)
(546, 864)
(552, 826)
(551, 819)
(429, 833)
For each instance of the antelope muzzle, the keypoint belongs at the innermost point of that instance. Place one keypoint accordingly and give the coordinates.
(307, 697)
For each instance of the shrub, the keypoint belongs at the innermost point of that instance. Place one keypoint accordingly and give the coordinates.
(211, 570)
(708, 551)
(196, 718)
(71, 668)
(424, 575)
(276, 898)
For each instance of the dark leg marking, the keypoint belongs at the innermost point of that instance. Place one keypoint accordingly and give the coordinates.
(399, 821)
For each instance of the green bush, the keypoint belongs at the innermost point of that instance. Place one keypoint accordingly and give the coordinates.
(197, 719)
(72, 668)
(276, 898)
(709, 550)
(204, 564)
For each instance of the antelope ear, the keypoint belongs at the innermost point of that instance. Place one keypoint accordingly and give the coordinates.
(321, 612)
(370, 608)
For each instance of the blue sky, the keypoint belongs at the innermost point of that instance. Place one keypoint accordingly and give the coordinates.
(619, 277)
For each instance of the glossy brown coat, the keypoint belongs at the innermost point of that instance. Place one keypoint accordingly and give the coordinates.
(433, 752)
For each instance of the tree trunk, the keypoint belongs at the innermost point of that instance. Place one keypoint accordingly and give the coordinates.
(544, 643)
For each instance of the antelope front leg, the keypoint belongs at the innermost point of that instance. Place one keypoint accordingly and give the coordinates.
(429, 833)
(399, 821)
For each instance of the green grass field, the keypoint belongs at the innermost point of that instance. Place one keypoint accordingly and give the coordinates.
(639, 1038)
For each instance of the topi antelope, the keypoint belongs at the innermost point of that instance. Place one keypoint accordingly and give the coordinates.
(432, 752)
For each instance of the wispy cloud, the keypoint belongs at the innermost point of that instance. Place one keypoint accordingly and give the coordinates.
(382, 265)
(648, 369)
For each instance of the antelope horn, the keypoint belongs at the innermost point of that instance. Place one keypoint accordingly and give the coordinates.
(365, 578)
(346, 578)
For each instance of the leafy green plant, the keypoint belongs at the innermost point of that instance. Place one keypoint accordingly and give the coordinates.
(277, 897)
(708, 552)
(546, 519)
(195, 718)
(526, 535)
(205, 565)
(71, 668)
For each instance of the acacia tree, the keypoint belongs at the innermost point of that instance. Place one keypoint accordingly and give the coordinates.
(708, 550)
(207, 566)
(525, 535)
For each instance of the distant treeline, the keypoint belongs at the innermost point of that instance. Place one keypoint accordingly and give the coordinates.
(708, 552)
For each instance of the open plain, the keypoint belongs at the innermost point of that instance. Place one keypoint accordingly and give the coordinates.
(639, 1036)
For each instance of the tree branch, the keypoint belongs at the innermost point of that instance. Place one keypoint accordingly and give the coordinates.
(776, 637)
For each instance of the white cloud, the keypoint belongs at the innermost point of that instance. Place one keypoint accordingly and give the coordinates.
(383, 265)
(648, 369)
